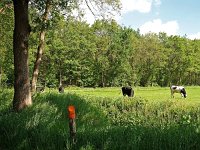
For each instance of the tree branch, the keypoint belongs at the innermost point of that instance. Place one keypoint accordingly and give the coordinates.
(89, 7)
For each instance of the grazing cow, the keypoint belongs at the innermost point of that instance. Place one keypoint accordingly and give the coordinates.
(178, 89)
(128, 91)
(40, 89)
(61, 89)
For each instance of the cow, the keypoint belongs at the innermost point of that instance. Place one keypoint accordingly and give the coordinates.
(61, 89)
(178, 89)
(40, 88)
(127, 90)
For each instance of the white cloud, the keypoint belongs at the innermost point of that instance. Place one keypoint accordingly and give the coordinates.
(194, 36)
(156, 26)
(142, 6)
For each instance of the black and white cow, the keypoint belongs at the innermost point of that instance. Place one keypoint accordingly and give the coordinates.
(127, 90)
(178, 89)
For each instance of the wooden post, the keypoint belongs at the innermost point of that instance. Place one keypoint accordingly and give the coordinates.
(72, 123)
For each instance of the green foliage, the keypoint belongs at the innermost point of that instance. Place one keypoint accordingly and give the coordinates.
(107, 54)
(103, 54)
(6, 33)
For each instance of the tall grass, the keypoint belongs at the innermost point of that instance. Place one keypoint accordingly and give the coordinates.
(104, 121)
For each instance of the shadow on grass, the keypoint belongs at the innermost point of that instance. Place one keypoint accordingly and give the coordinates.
(45, 126)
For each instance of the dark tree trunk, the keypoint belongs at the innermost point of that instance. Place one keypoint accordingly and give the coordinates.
(40, 48)
(22, 95)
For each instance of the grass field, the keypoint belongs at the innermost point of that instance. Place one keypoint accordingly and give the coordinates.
(105, 120)
(149, 93)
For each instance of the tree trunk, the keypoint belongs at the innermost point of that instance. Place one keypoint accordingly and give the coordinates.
(60, 79)
(40, 48)
(102, 79)
(22, 95)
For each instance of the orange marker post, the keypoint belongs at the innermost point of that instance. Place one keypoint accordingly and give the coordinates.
(72, 123)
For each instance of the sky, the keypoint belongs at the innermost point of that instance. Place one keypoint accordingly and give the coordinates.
(174, 17)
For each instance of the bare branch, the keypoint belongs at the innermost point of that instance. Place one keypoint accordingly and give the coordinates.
(89, 7)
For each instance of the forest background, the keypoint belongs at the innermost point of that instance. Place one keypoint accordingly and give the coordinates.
(104, 54)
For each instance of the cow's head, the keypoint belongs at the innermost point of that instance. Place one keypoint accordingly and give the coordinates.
(183, 92)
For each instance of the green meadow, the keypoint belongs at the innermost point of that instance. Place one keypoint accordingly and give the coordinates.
(104, 119)
(149, 93)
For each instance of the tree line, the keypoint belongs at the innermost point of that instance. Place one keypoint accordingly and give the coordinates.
(69, 51)
(107, 54)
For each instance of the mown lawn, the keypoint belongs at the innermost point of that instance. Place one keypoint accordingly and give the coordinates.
(105, 120)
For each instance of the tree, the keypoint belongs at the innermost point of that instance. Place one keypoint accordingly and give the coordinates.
(22, 95)
(121, 48)
(67, 44)
(52, 7)
(149, 58)
(41, 46)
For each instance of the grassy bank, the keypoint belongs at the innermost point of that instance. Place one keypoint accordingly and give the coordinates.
(105, 120)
